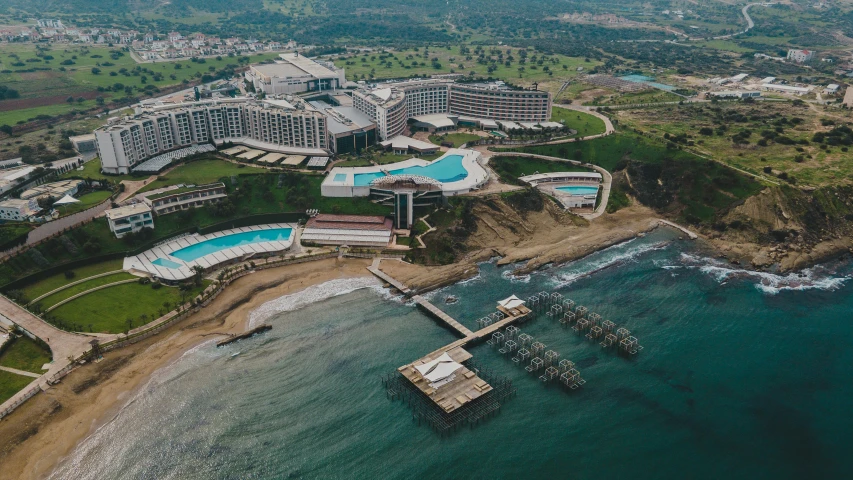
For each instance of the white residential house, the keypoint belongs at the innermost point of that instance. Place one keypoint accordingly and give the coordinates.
(18, 210)
(130, 218)
(800, 56)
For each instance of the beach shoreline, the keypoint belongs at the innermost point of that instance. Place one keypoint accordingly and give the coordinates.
(43, 431)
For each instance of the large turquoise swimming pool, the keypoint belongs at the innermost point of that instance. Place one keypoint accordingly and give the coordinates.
(446, 170)
(213, 245)
(578, 190)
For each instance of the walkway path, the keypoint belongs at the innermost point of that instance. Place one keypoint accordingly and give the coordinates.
(607, 178)
(20, 372)
(68, 285)
(690, 234)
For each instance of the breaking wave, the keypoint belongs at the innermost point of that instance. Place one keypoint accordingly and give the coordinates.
(816, 278)
(313, 294)
(610, 257)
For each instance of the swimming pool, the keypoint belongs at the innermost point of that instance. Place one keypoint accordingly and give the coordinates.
(578, 190)
(162, 262)
(213, 245)
(340, 177)
(446, 170)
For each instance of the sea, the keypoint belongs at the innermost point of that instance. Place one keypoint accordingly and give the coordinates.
(743, 375)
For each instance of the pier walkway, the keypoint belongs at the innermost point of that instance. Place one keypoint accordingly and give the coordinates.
(450, 321)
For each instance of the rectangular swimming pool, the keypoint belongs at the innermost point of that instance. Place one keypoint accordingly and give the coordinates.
(214, 245)
(340, 177)
(578, 190)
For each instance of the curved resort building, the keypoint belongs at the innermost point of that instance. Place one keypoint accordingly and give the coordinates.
(283, 126)
(572, 189)
(174, 260)
(390, 105)
(410, 183)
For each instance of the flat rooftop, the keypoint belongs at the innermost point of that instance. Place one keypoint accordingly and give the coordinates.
(465, 387)
(342, 119)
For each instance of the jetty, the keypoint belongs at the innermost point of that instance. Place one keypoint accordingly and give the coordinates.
(250, 333)
(447, 319)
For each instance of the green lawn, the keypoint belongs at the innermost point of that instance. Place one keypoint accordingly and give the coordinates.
(10, 231)
(510, 168)
(69, 292)
(92, 169)
(11, 384)
(108, 310)
(25, 354)
(88, 200)
(56, 281)
(200, 172)
(585, 123)
(457, 139)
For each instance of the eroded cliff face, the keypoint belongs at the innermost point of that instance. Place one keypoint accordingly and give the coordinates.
(788, 227)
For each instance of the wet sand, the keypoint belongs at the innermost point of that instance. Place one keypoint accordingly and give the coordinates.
(35, 438)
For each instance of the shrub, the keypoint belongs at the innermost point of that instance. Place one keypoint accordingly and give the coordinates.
(69, 274)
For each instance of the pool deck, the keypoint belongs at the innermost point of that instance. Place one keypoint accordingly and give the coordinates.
(142, 264)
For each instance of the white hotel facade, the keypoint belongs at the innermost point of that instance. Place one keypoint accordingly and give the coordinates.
(392, 104)
(276, 125)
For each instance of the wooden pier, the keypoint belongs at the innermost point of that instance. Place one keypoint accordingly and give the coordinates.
(450, 321)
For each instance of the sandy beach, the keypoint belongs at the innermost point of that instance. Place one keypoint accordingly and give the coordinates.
(48, 427)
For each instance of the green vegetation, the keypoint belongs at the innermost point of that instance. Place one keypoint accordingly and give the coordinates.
(200, 172)
(108, 310)
(56, 281)
(69, 292)
(91, 169)
(380, 158)
(87, 200)
(25, 354)
(510, 168)
(93, 77)
(664, 177)
(11, 383)
(584, 123)
(11, 231)
(457, 138)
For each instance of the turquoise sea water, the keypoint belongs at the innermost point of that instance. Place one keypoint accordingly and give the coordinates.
(743, 375)
(578, 190)
(447, 169)
(648, 81)
(212, 245)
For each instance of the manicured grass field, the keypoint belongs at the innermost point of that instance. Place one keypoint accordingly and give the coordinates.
(510, 168)
(11, 384)
(108, 310)
(457, 138)
(92, 169)
(25, 354)
(88, 200)
(55, 281)
(69, 292)
(199, 172)
(584, 123)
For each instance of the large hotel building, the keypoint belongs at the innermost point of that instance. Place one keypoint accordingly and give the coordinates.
(391, 105)
(276, 125)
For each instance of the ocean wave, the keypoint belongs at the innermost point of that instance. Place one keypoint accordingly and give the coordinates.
(608, 258)
(816, 278)
(313, 294)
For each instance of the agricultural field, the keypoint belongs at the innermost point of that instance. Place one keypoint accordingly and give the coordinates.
(48, 143)
(779, 136)
(58, 79)
(500, 62)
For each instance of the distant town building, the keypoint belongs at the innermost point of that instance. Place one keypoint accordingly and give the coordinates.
(131, 218)
(295, 73)
(831, 89)
(800, 56)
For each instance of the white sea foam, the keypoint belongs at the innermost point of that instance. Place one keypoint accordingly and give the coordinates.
(313, 294)
(609, 257)
(508, 275)
(770, 283)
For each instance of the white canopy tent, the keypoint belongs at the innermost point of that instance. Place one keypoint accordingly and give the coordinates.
(439, 371)
(68, 199)
(511, 302)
